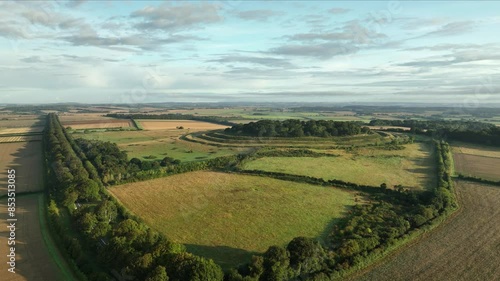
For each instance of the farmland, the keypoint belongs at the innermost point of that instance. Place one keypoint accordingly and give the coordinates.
(174, 124)
(477, 161)
(160, 143)
(33, 261)
(26, 130)
(36, 254)
(26, 159)
(99, 124)
(466, 247)
(228, 217)
(412, 167)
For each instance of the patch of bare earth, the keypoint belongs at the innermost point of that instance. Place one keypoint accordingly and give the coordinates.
(466, 247)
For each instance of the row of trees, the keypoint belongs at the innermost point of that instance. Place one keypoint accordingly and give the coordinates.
(114, 239)
(298, 128)
(467, 131)
(171, 116)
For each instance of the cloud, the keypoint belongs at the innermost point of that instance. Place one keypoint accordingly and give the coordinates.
(32, 59)
(265, 61)
(171, 18)
(337, 11)
(257, 15)
(12, 31)
(320, 51)
(459, 57)
(352, 31)
(453, 28)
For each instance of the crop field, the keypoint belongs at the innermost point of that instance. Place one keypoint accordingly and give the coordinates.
(479, 166)
(99, 124)
(19, 121)
(478, 150)
(466, 247)
(9, 139)
(26, 159)
(33, 261)
(26, 130)
(70, 117)
(412, 167)
(159, 144)
(174, 124)
(478, 161)
(228, 217)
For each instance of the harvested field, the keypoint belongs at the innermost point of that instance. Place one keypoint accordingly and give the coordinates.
(479, 166)
(466, 247)
(26, 130)
(26, 159)
(33, 261)
(69, 117)
(173, 124)
(9, 121)
(10, 139)
(99, 124)
(227, 217)
(473, 149)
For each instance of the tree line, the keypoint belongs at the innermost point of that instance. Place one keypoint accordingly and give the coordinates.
(298, 128)
(466, 131)
(108, 237)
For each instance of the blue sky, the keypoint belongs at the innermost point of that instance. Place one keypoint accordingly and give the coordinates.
(272, 51)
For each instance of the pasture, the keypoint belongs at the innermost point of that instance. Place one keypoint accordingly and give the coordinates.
(228, 217)
(142, 144)
(465, 247)
(174, 124)
(412, 167)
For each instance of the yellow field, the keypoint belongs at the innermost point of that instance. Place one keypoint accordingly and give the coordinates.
(20, 139)
(474, 149)
(8, 131)
(228, 217)
(174, 124)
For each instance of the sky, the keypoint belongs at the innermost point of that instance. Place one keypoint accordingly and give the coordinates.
(250, 51)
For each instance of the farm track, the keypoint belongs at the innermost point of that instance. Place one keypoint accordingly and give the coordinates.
(466, 247)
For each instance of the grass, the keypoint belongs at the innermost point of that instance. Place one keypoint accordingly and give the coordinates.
(142, 144)
(412, 167)
(229, 217)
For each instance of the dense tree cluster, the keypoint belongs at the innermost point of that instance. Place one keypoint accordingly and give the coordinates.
(171, 116)
(467, 131)
(298, 128)
(106, 230)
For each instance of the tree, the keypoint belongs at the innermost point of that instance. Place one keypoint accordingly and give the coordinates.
(88, 222)
(276, 262)
(106, 211)
(158, 274)
(88, 190)
(306, 255)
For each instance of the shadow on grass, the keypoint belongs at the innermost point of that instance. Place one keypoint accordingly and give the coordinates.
(226, 257)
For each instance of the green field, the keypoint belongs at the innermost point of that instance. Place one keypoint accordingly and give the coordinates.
(160, 144)
(412, 167)
(229, 217)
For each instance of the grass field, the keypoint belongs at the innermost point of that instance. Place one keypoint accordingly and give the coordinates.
(228, 217)
(26, 159)
(160, 144)
(412, 167)
(466, 247)
(173, 124)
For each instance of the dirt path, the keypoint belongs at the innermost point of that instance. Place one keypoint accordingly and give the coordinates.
(467, 247)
